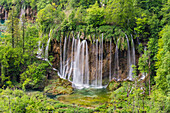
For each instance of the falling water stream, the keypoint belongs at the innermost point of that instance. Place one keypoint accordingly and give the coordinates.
(110, 66)
(74, 62)
(5, 15)
(21, 15)
(116, 62)
(129, 64)
(46, 49)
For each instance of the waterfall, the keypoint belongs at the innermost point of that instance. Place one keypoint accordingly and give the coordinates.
(81, 66)
(46, 49)
(72, 59)
(64, 59)
(133, 54)
(97, 82)
(110, 66)
(75, 62)
(129, 64)
(144, 73)
(61, 59)
(40, 50)
(5, 15)
(21, 14)
(87, 66)
(100, 62)
(116, 67)
(96, 63)
(133, 51)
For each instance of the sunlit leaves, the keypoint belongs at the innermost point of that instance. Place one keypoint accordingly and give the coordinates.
(163, 63)
(95, 15)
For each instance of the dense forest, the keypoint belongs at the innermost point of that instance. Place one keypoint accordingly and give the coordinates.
(30, 82)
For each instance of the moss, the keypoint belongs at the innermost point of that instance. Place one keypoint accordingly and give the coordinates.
(89, 98)
(113, 85)
(58, 86)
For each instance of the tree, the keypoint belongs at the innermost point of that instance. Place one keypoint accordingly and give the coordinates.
(121, 13)
(163, 64)
(95, 15)
(46, 18)
(13, 26)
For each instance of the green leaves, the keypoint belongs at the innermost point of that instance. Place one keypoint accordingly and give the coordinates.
(95, 15)
(18, 101)
(34, 75)
(121, 12)
(163, 63)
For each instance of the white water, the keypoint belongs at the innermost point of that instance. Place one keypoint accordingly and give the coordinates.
(144, 73)
(81, 65)
(74, 62)
(129, 64)
(22, 13)
(95, 79)
(40, 50)
(61, 59)
(46, 49)
(110, 66)
(101, 61)
(116, 62)
(5, 15)
(133, 51)
(75, 67)
(97, 82)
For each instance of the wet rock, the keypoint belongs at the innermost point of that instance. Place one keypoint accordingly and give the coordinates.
(58, 86)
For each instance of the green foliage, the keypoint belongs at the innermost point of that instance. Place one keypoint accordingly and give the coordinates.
(83, 3)
(95, 15)
(121, 12)
(163, 63)
(34, 76)
(108, 31)
(141, 18)
(144, 63)
(11, 59)
(17, 101)
(45, 18)
(41, 4)
(141, 28)
(31, 38)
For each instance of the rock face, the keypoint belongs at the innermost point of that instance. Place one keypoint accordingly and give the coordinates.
(2, 13)
(55, 52)
(58, 86)
(108, 62)
(30, 13)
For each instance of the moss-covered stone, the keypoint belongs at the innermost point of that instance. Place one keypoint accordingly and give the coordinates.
(58, 86)
(113, 85)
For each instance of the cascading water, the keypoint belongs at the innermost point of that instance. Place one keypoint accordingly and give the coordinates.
(110, 66)
(129, 64)
(21, 14)
(96, 79)
(144, 73)
(116, 67)
(75, 67)
(100, 62)
(133, 51)
(46, 49)
(75, 62)
(40, 50)
(81, 65)
(61, 59)
(5, 15)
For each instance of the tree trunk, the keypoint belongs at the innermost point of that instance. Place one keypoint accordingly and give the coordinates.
(12, 29)
(23, 34)
(149, 78)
